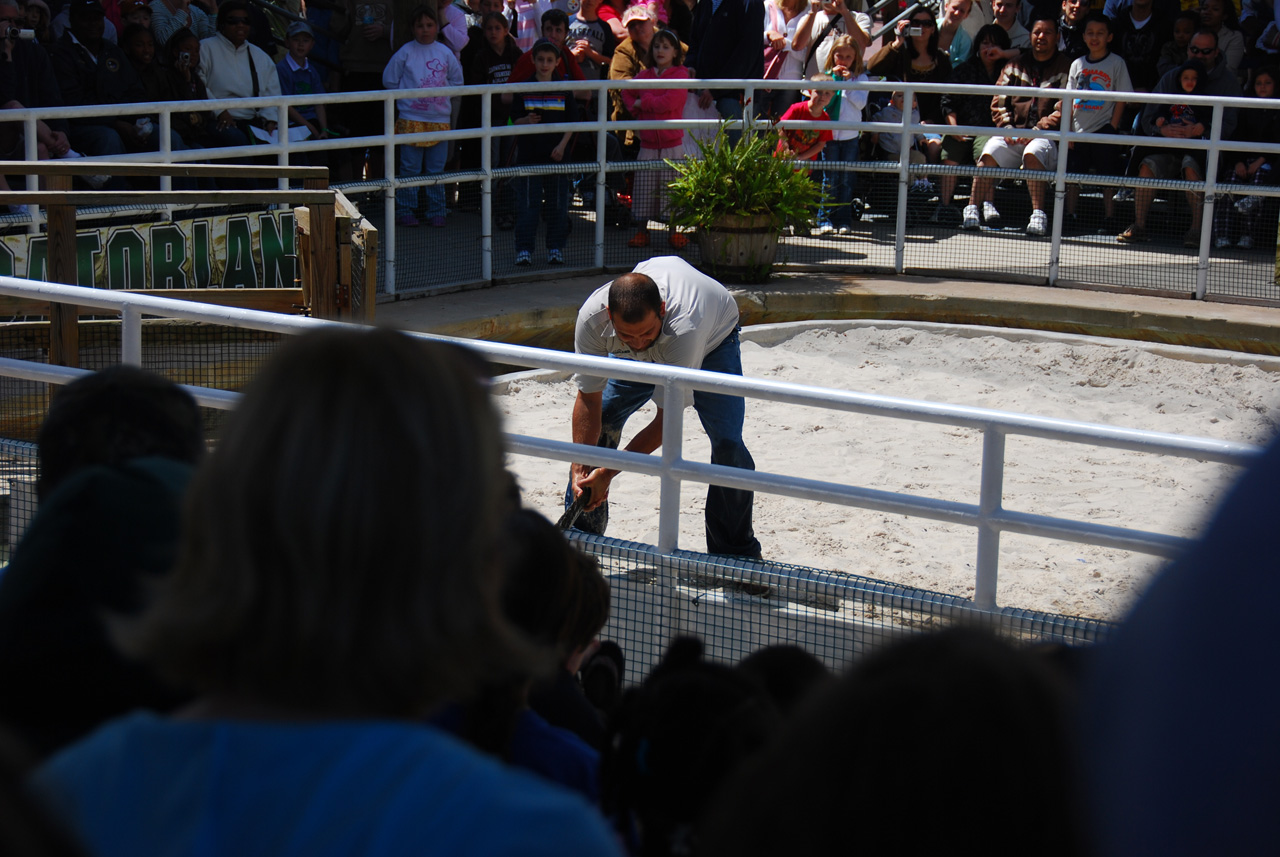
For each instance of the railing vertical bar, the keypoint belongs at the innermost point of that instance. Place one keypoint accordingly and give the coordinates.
(486, 187)
(602, 135)
(282, 135)
(672, 452)
(904, 162)
(1059, 193)
(389, 192)
(131, 336)
(31, 152)
(1210, 191)
(990, 497)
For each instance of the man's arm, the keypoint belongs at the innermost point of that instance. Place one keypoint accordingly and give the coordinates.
(586, 430)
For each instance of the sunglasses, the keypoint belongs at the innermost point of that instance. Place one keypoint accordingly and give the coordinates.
(1200, 52)
(923, 22)
(234, 21)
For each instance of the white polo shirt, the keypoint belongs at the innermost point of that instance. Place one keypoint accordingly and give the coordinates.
(700, 314)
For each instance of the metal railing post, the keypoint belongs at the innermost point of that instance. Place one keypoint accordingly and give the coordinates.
(990, 497)
(904, 176)
(31, 152)
(131, 336)
(282, 136)
(486, 186)
(672, 451)
(602, 114)
(389, 192)
(1210, 192)
(1060, 190)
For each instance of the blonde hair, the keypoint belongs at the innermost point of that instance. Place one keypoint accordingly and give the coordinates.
(338, 554)
(845, 41)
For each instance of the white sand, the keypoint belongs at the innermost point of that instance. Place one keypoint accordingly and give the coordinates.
(1111, 383)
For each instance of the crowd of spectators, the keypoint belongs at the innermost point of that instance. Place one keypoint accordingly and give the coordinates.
(338, 633)
(133, 53)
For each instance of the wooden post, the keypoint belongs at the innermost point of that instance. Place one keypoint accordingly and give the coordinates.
(324, 254)
(64, 333)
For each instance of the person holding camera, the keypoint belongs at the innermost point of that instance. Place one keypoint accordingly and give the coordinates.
(818, 30)
(913, 56)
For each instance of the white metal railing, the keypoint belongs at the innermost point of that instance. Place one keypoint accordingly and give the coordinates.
(988, 515)
(600, 126)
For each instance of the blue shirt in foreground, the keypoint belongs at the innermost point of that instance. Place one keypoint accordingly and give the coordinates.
(150, 785)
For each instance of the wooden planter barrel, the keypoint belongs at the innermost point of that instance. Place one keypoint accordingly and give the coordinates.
(740, 249)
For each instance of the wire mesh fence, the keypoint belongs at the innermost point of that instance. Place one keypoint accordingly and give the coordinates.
(195, 353)
(738, 606)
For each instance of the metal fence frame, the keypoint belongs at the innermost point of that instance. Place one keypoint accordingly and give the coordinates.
(600, 126)
(988, 515)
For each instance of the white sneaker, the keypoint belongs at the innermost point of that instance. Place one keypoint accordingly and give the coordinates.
(971, 218)
(1245, 242)
(824, 229)
(990, 214)
(1221, 242)
(96, 182)
(845, 230)
(1038, 225)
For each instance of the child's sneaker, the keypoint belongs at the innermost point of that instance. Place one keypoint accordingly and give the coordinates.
(845, 230)
(1038, 225)
(1245, 242)
(640, 239)
(437, 222)
(971, 221)
(406, 220)
(555, 257)
(990, 214)
(1221, 242)
(524, 257)
(677, 241)
(824, 229)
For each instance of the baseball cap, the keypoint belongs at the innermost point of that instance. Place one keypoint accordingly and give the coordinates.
(299, 27)
(85, 7)
(127, 6)
(544, 43)
(636, 13)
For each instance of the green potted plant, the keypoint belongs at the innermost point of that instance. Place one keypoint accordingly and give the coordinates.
(739, 197)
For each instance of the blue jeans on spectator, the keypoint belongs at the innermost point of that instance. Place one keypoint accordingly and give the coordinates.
(728, 510)
(838, 186)
(421, 161)
(730, 107)
(537, 196)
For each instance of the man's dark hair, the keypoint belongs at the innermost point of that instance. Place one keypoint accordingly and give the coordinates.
(1201, 31)
(632, 297)
(1096, 18)
(555, 16)
(115, 415)
(1045, 17)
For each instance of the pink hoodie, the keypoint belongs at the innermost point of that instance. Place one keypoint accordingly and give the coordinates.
(653, 104)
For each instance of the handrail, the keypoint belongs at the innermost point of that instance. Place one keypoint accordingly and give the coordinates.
(988, 515)
(599, 124)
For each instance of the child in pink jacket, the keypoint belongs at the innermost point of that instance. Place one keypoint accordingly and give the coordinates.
(666, 59)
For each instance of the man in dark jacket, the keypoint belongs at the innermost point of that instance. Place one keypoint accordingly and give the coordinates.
(726, 43)
(91, 70)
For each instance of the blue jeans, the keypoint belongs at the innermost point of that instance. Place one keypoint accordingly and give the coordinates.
(728, 510)
(421, 161)
(839, 187)
(730, 107)
(536, 195)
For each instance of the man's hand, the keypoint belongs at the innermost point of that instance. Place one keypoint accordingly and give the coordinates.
(598, 481)
(373, 32)
(557, 154)
(704, 99)
(57, 144)
(225, 120)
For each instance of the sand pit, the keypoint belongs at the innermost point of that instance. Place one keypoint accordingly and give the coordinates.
(1103, 381)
